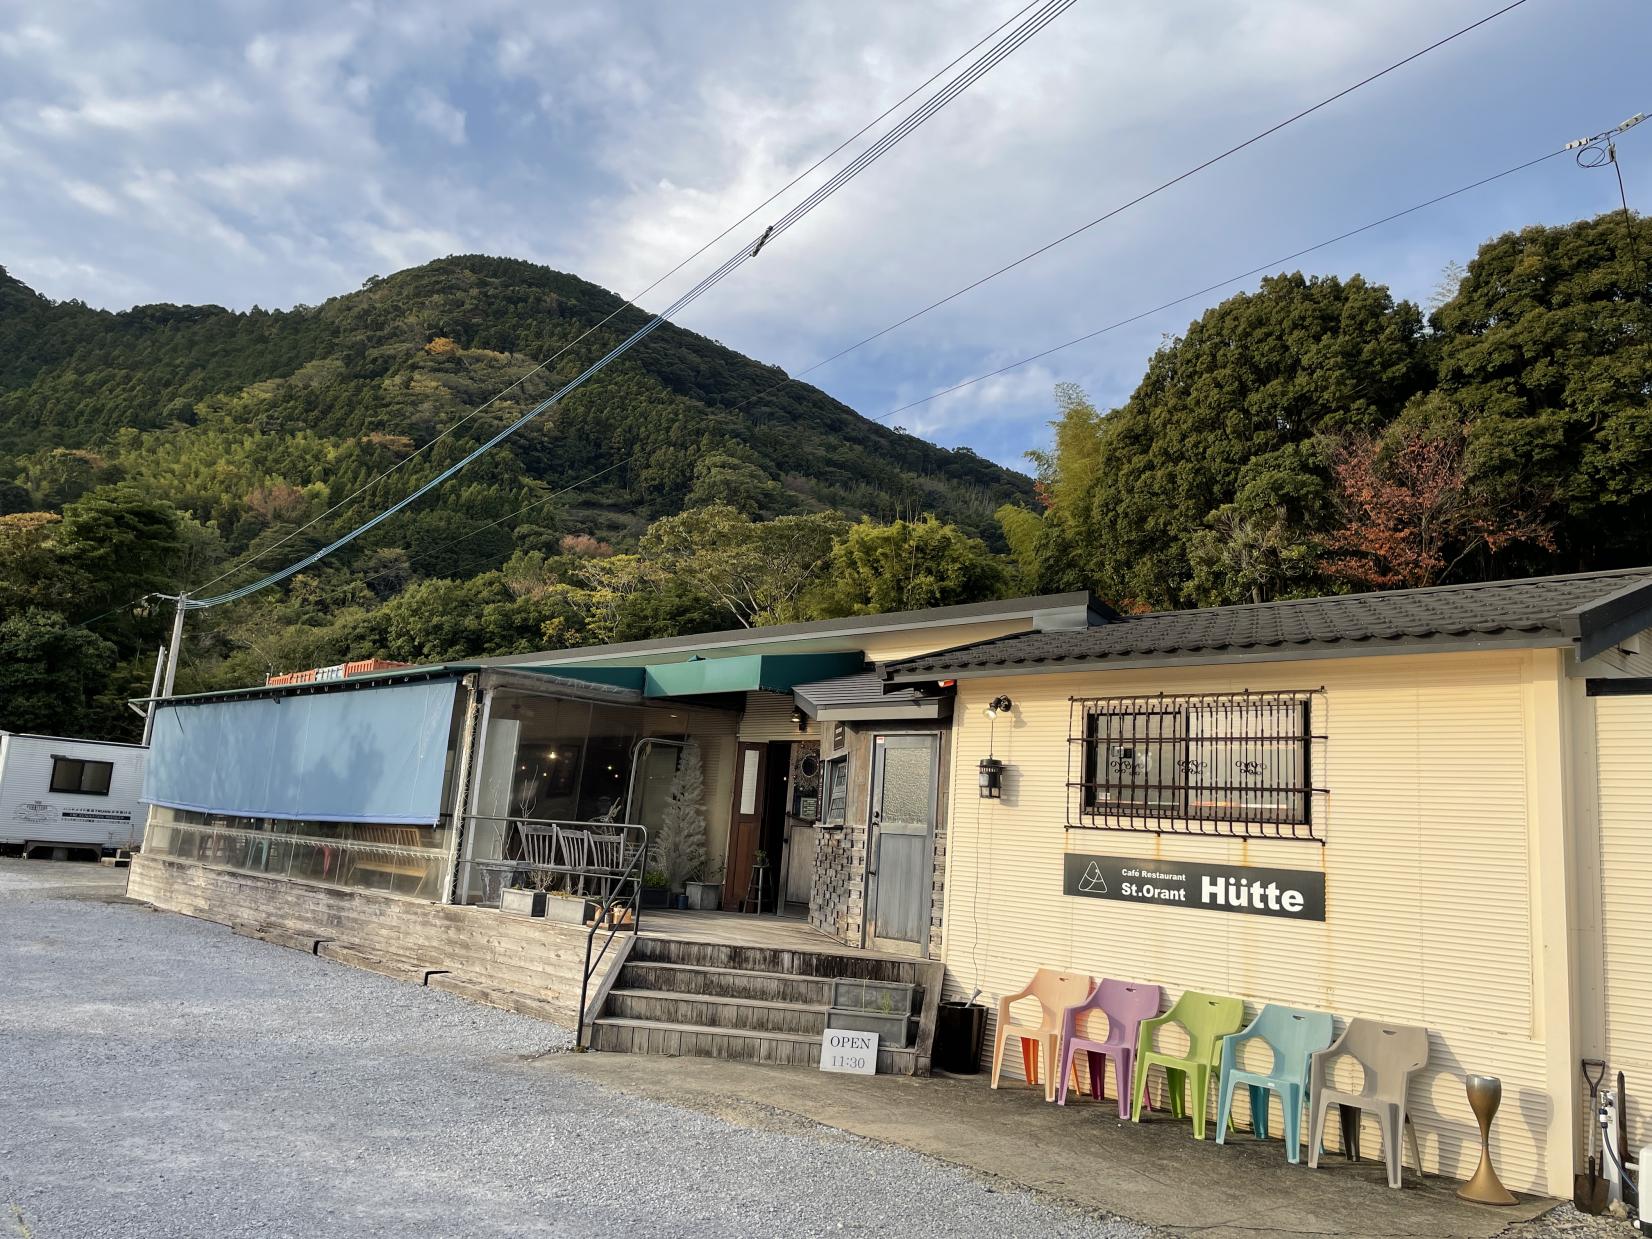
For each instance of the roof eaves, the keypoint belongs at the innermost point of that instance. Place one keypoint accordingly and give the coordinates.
(1223, 656)
(1601, 624)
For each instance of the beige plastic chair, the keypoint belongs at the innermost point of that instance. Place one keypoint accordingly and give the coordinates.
(1389, 1054)
(1055, 991)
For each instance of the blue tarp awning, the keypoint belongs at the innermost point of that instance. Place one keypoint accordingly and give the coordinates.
(369, 754)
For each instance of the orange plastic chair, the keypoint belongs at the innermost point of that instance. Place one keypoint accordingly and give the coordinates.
(1054, 991)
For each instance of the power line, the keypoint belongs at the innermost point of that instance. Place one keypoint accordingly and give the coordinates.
(630, 303)
(1038, 356)
(1046, 14)
(1136, 201)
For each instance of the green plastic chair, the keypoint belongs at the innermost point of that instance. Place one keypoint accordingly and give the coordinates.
(1206, 1019)
(1293, 1036)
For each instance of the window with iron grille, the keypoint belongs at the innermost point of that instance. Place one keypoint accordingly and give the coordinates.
(1239, 764)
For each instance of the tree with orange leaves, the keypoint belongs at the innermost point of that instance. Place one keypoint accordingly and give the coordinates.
(1410, 513)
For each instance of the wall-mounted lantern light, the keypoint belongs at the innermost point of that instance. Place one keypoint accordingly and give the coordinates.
(991, 771)
(800, 718)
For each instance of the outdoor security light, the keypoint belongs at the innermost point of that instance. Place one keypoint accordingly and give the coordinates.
(992, 778)
(999, 705)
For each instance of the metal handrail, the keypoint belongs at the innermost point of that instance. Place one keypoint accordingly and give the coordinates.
(630, 883)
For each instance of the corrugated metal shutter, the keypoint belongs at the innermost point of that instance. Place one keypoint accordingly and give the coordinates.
(1623, 740)
(769, 717)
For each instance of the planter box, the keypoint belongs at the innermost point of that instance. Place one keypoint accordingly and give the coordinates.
(569, 911)
(522, 902)
(894, 1031)
(656, 896)
(875, 997)
(705, 896)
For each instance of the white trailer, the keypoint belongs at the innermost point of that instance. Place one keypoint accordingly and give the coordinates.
(57, 792)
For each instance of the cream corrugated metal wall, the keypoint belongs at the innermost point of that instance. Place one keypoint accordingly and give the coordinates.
(1623, 744)
(768, 716)
(1429, 871)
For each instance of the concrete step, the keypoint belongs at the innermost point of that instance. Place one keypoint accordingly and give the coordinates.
(715, 1011)
(777, 960)
(721, 982)
(632, 1036)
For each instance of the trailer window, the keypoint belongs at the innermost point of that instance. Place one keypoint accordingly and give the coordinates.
(86, 778)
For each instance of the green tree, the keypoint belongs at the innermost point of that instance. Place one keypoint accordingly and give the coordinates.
(1299, 358)
(1545, 353)
(723, 478)
(50, 673)
(755, 570)
(906, 566)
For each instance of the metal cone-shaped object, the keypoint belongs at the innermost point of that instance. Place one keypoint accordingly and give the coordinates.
(1485, 1094)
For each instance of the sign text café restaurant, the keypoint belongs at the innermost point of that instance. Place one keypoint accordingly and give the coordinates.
(1423, 807)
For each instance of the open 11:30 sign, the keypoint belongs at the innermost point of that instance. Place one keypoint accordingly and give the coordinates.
(1295, 894)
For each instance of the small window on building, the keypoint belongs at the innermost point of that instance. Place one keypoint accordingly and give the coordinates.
(85, 778)
(1235, 764)
(837, 792)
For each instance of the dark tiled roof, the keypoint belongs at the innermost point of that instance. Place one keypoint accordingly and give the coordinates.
(1592, 608)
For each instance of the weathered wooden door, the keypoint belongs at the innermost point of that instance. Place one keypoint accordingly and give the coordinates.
(745, 822)
(901, 848)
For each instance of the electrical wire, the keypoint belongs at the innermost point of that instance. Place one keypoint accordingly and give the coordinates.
(1043, 353)
(629, 303)
(1125, 206)
(1006, 46)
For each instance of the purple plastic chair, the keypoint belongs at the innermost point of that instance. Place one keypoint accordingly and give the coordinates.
(1127, 1004)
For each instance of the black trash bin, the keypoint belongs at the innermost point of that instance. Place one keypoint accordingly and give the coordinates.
(960, 1032)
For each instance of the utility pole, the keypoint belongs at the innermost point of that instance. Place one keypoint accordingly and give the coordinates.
(154, 692)
(175, 647)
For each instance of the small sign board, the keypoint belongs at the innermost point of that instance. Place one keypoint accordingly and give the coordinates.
(843, 1049)
(1295, 894)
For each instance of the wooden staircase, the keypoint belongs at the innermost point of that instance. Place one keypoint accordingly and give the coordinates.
(758, 1004)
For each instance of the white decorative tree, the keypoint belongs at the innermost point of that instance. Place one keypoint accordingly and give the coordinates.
(680, 841)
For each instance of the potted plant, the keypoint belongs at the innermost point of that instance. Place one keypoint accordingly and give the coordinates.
(705, 894)
(568, 908)
(656, 889)
(522, 901)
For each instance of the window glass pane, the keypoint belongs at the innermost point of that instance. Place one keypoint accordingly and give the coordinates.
(95, 776)
(907, 784)
(837, 790)
(1133, 760)
(65, 774)
(1245, 759)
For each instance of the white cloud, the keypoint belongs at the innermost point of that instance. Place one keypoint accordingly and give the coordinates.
(438, 115)
(281, 152)
(92, 197)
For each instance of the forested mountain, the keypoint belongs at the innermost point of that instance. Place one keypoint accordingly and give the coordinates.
(158, 447)
(1315, 435)
(227, 405)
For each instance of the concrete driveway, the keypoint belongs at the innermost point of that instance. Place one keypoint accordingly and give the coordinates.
(163, 1077)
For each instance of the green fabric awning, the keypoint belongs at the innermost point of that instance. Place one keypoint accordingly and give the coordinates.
(702, 677)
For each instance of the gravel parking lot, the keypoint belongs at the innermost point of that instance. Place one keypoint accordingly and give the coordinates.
(163, 1077)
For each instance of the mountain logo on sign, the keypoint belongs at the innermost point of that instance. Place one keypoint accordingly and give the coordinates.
(1093, 883)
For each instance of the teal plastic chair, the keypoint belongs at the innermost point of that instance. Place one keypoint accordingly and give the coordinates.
(1294, 1037)
(1206, 1019)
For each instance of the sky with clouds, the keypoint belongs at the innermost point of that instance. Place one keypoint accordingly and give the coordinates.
(274, 153)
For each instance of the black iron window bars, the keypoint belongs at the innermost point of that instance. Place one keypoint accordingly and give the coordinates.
(1227, 764)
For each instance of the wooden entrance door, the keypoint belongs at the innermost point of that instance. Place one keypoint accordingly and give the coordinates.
(901, 850)
(745, 822)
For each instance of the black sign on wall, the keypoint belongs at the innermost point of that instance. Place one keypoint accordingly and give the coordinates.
(1296, 894)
